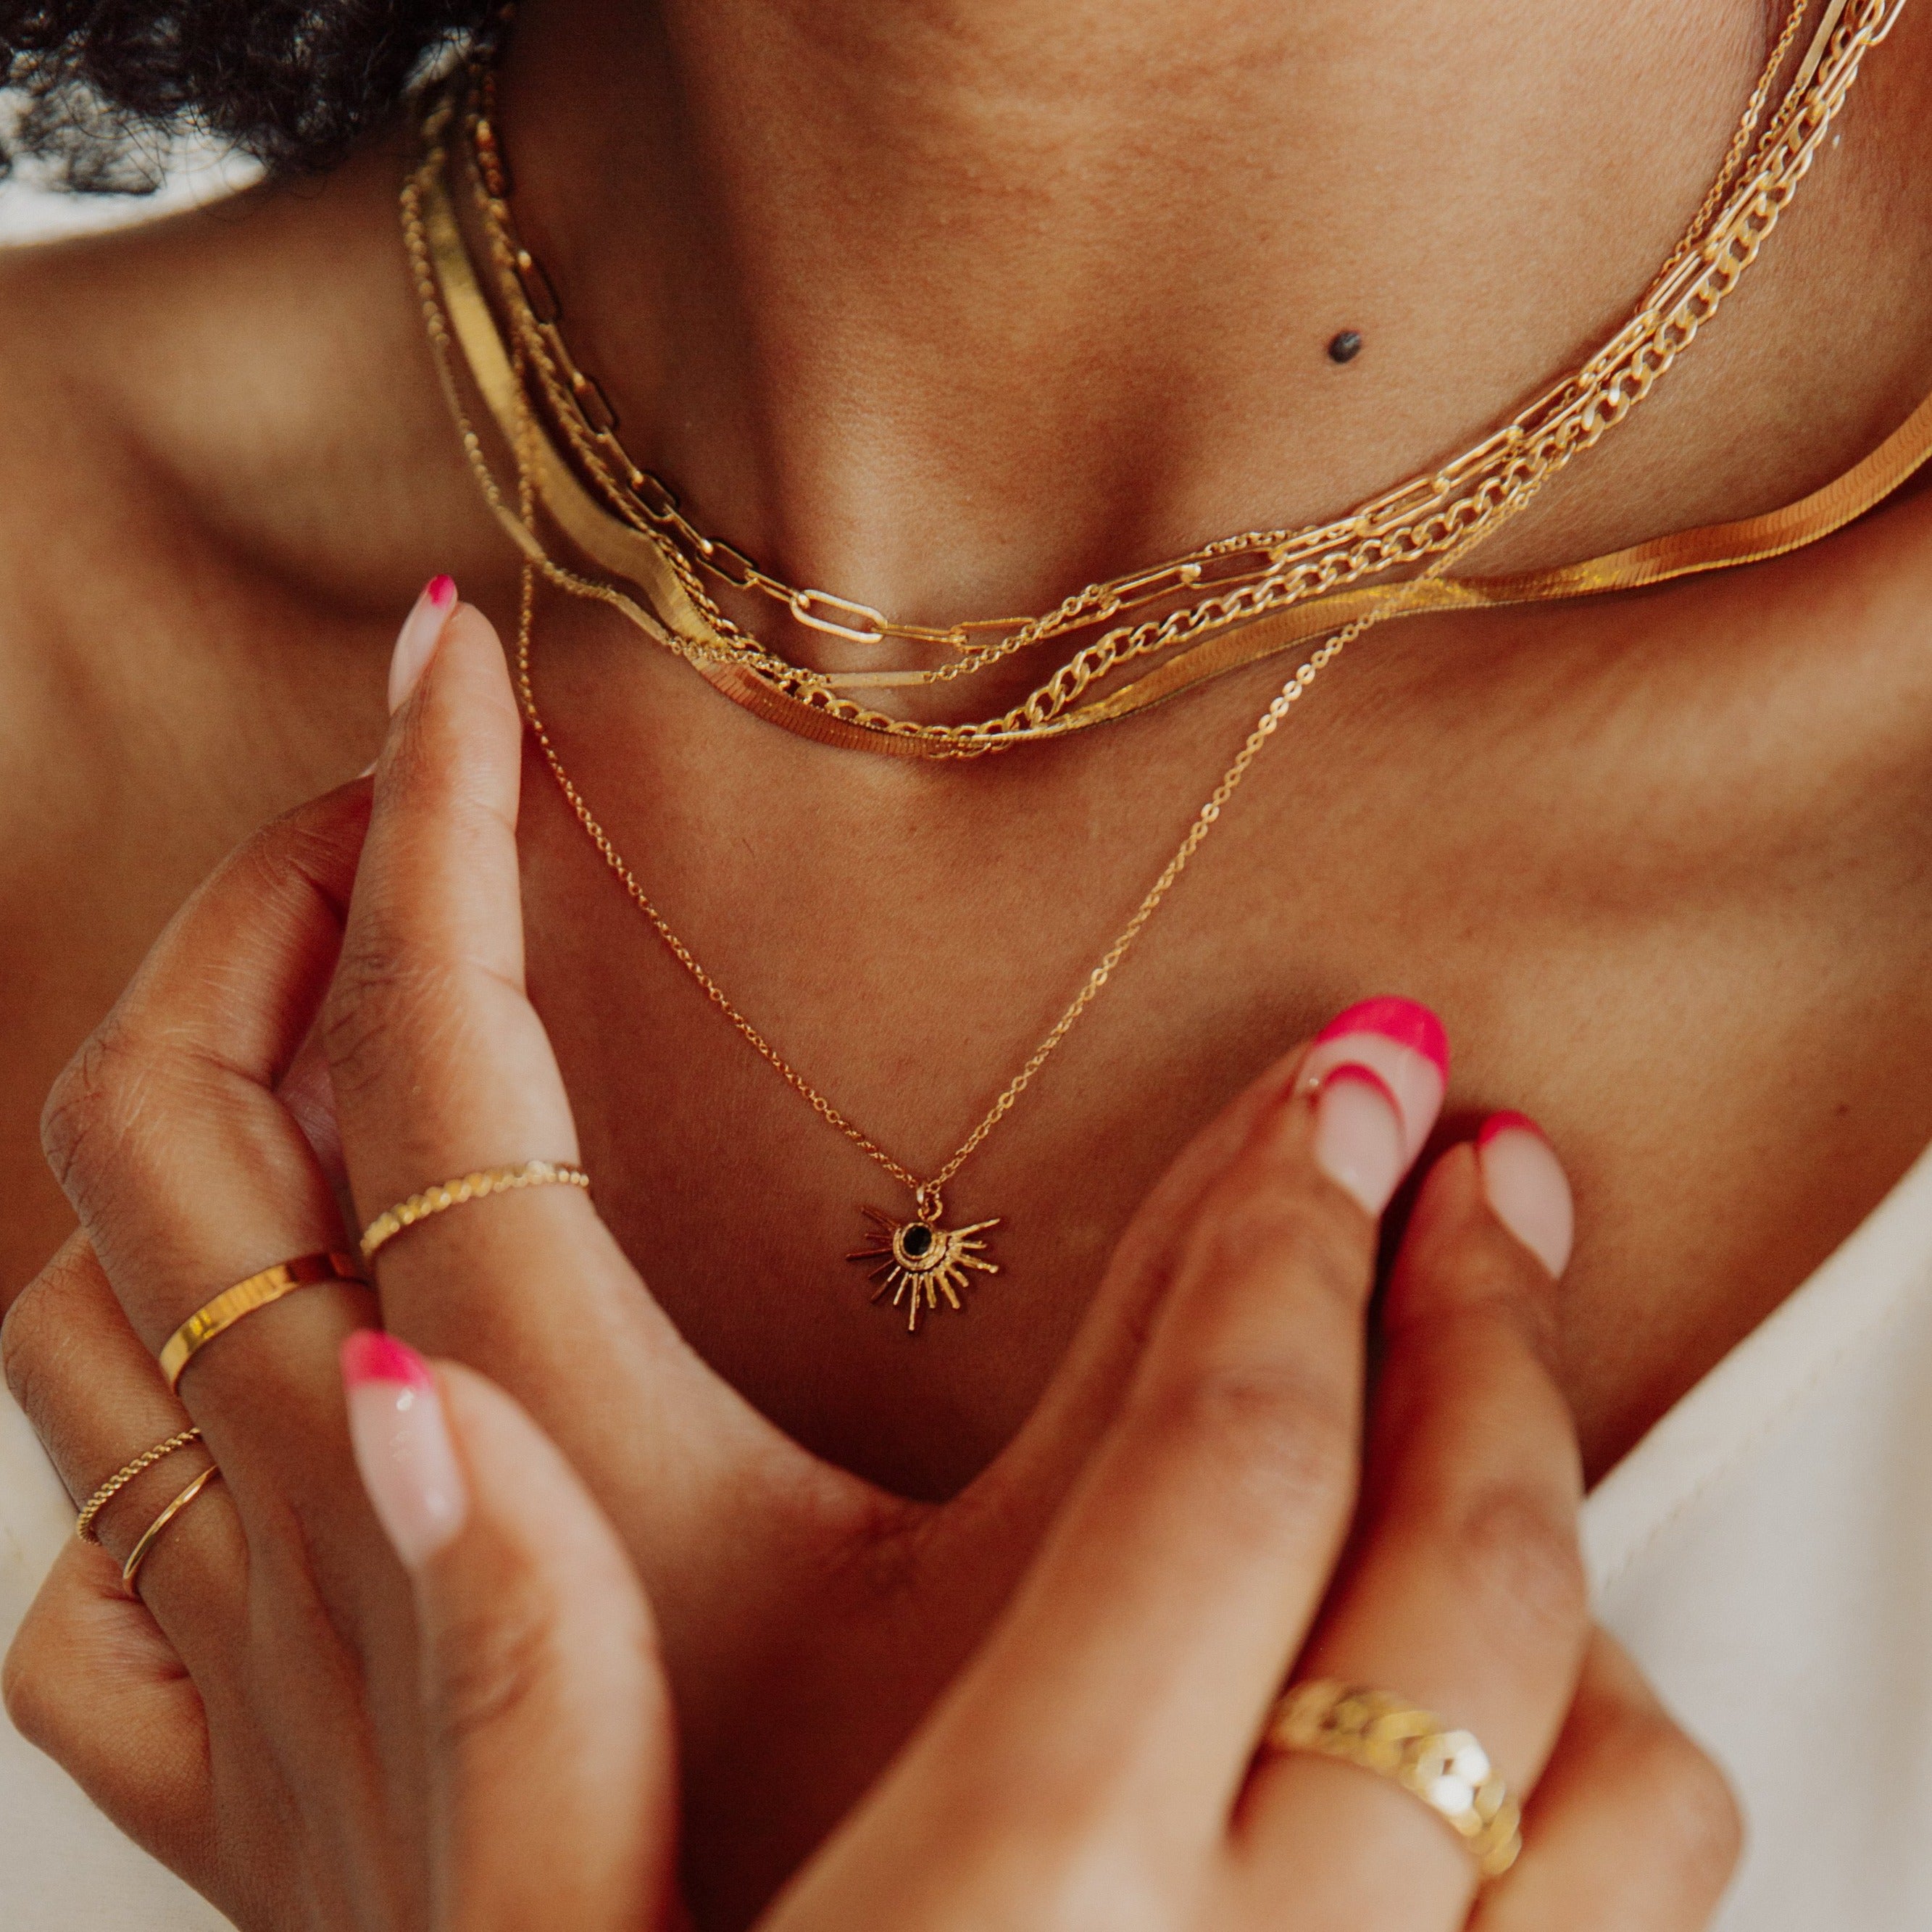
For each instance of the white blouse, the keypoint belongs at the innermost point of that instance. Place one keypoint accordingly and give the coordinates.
(1765, 1552)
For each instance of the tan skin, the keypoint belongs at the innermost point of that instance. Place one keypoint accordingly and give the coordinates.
(1620, 848)
(1641, 829)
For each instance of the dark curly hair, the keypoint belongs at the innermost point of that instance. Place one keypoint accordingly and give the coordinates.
(99, 88)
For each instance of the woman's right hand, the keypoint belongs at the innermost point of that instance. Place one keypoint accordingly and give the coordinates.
(1102, 1763)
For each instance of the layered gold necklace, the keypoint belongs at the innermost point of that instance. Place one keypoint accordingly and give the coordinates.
(1230, 603)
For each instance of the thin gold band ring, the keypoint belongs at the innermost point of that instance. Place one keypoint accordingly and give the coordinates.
(138, 1554)
(228, 1307)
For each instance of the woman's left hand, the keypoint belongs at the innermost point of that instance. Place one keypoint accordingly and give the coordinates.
(808, 1618)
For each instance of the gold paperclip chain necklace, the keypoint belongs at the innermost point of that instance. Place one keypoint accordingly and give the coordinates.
(1404, 525)
(1311, 569)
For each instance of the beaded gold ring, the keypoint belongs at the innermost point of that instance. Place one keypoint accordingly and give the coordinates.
(90, 1510)
(477, 1186)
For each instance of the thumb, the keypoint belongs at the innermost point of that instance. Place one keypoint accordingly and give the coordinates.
(549, 1730)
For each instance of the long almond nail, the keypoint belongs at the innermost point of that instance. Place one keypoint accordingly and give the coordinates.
(416, 642)
(402, 1445)
(1402, 1041)
(1526, 1188)
(1359, 1142)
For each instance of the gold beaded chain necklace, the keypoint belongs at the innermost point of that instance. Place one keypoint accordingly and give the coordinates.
(918, 1259)
(629, 523)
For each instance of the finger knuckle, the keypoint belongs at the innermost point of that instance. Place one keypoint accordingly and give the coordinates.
(102, 1100)
(28, 1337)
(306, 849)
(1699, 1825)
(34, 1690)
(383, 992)
(494, 1660)
(1283, 1439)
(1517, 1554)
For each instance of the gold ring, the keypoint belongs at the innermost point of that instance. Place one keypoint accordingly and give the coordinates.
(138, 1554)
(1447, 1768)
(83, 1524)
(477, 1186)
(243, 1298)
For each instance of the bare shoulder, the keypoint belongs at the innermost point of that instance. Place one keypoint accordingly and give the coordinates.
(256, 366)
(151, 382)
(227, 469)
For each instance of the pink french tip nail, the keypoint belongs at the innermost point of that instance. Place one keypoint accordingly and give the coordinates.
(1353, 1069)
(1526, 1188)
(403, 1450)
(1408, 1022)
(417, 641)
(1359, 1141)
(1404, 1044)
(369, 1355)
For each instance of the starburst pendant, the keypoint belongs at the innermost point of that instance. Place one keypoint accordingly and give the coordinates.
(919, 1260)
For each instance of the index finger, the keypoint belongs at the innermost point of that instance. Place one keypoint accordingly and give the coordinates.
(441, 1068)
(1146, 1644)
(167, 1132)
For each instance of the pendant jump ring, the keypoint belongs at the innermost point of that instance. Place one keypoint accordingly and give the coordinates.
(926, 1200)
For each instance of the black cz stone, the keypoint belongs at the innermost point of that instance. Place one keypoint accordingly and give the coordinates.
(916, 1240)
(1345, 347)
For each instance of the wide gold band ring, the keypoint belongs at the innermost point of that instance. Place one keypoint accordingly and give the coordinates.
(243, 1298)
(83, 1524)
(151, 1535)
(1445, 1767)
(477, 1186)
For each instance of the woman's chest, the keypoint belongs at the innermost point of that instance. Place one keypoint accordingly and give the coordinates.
(1718, 1025)
(1698, 958)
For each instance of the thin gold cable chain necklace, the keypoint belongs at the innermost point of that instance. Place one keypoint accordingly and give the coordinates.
(919, 1260)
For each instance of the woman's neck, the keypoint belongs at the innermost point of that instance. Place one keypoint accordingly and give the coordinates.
(953, 307)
